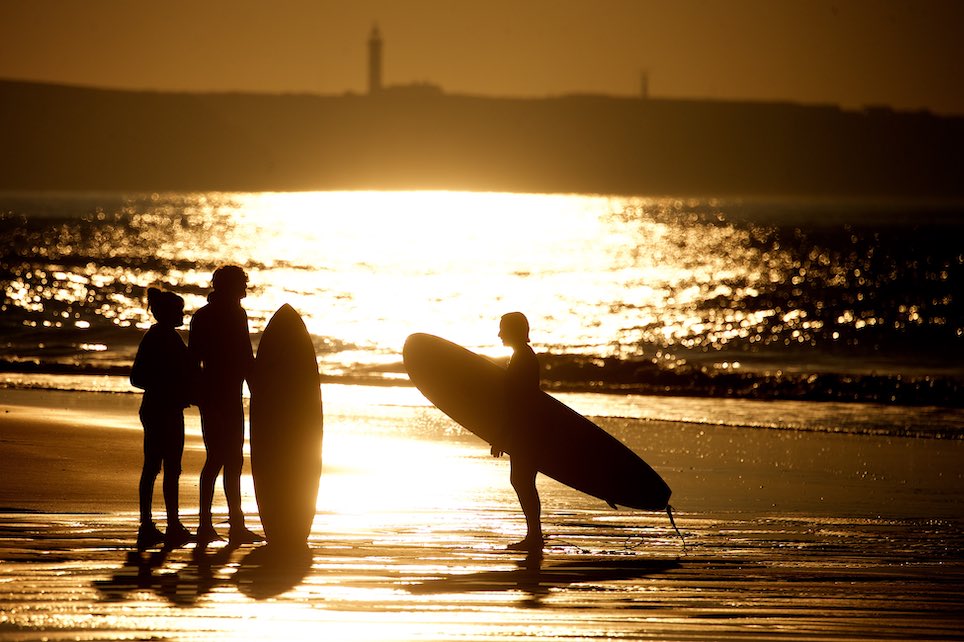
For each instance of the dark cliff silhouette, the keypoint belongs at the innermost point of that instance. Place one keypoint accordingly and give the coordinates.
(69, 138)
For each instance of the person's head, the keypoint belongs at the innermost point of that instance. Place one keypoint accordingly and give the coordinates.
(230, 281)
(514, 329)
(167, 307)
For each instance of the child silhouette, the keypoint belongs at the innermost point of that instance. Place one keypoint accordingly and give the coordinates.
(164, 370)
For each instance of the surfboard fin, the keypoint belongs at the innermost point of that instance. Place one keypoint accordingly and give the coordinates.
(669, 511)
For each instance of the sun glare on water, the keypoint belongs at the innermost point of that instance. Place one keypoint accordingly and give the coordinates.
(376, 266)
(596, 275)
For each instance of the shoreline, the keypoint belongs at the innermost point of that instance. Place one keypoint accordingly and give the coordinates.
(585, 375)
(794, 415)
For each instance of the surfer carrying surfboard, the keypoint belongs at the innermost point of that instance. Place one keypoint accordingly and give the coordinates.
(521, 390)
(220, 344)
(507, 409)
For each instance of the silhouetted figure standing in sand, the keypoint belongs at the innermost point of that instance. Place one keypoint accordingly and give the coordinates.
(219, 342)
(522, 387)
(165, 371)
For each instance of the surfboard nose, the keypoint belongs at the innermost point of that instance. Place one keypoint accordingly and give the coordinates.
(413, 342)
(416, 352)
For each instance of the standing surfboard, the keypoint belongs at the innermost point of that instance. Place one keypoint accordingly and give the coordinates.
(569, 448)
(286, 429)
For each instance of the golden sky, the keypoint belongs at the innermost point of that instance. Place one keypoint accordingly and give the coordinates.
(903, 53)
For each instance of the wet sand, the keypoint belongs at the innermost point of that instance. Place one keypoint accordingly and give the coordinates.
(789, 535)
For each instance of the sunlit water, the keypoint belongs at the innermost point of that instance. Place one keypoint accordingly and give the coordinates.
(780, 299)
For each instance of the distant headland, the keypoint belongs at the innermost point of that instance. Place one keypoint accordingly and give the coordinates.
(72, 138)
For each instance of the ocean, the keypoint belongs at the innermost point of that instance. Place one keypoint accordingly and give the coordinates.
(776, 313)
(791, 369)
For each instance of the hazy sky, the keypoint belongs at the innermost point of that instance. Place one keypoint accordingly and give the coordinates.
(907, 53)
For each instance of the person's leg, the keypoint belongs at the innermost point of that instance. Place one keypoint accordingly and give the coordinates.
(152, 466)
(522, 475)
(233, 464)
(234, 461)
(173, 451)
(209, 475)
(176, 534)
(148, 534)
(211, 429)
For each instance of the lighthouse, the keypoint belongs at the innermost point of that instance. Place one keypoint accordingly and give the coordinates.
(374, 62)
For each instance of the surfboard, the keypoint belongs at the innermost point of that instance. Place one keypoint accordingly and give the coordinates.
(568, 447)
(286, 429)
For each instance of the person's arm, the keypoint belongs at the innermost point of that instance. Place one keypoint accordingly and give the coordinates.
(193, 340)
(498, 444)
(247, 366)
(141, 369)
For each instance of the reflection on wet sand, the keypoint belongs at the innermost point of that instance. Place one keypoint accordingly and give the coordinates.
(533, 577)
(798, 577)
(269, 571)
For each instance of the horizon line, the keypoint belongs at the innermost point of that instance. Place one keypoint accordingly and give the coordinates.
(430, 90)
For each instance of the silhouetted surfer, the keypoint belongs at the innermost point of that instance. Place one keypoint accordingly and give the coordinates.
(219, 342)
(164, 370)
(522, 386)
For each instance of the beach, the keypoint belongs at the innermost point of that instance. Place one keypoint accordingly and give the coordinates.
(789, 534)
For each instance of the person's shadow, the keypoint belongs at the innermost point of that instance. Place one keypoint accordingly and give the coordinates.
(266, 571)
(536, 579)
(181, 587)
(136, 574)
